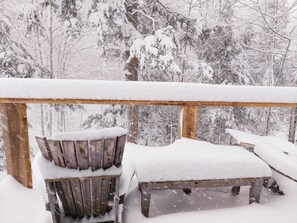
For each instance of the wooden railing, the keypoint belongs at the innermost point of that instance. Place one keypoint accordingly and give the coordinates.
(16, 93)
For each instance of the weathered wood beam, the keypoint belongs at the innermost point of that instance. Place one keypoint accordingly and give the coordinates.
(16, 142)
(145, 102)
(188, 122)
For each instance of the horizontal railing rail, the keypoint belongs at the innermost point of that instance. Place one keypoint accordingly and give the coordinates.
(16, 93)
(55, 91)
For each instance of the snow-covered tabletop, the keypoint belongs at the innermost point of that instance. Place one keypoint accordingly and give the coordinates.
(188, 159)
(280, 154)
(280, 144)
(279, 161)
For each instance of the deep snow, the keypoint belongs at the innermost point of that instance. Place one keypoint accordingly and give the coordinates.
(123, 90)
(216, 205)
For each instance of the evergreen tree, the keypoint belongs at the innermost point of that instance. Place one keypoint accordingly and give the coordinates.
(15, 61)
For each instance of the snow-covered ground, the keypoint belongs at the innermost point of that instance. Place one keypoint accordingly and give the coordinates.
(216, 205)
(18, 204)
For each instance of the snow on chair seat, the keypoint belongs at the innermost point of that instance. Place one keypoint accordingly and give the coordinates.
(190, 164)
(84, 174)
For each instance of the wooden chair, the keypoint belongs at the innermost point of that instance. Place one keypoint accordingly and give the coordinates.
(89, 198)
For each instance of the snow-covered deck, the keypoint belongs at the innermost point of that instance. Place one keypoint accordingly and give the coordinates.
(216, 204)
(202, 205)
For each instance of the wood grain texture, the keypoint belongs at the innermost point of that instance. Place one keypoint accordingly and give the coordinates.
(104, 195)
(111, 194)
(77, 197)
(109, 152)
(61, 194)
(86, 196)
(121, 141)
(16, 142)
(146, 102)
(189, 122)
(90, 196)
(82, 154)
(96, 150)
(96, 196)
(53, 201)
(66, 186)
(69, 154)
(57, 152)
(44, 147)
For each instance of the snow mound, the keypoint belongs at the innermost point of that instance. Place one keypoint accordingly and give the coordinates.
(250, 138)
(90, 134)
(195, 160)
(280, 161)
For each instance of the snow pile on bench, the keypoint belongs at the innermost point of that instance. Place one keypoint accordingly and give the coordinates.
(90, 134)
(280, 144)
(271, 154)
(195, 160)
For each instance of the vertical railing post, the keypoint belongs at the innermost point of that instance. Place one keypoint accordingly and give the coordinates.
(188, 122)
(16, 142)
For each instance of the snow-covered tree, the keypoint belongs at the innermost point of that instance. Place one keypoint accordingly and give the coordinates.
(15, 61)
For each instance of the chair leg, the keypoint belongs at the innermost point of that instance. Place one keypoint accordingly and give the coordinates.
(53, 201)
(255, 191)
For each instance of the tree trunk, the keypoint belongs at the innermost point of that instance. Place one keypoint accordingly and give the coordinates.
(50, 112)
(133, 111)
(268, 122)
(293, 123)
(132, 73)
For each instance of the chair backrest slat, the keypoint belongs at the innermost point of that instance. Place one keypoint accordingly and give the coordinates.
(69, 197)
(77, 197)
(57, 153)
(96, 198)
(109, 152)
(69, 154)
(121, 140)
(112, 188)
(44, 148)
(86, 196)
(96, 149)
(82, 154)
(62, 195)
(104, 195)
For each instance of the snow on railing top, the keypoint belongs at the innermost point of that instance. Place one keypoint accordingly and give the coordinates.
(14, 90)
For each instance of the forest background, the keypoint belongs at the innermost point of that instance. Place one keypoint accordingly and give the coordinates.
(226, 42)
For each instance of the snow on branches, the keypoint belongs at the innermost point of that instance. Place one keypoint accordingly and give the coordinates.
(157, 51)
(107, 17)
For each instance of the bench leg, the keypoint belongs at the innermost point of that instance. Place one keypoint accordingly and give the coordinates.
(255, 191)
(235, 190)
(145, 201)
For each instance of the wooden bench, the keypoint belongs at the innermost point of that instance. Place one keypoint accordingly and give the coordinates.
(88, 197)
(188, 164)
(147, 187)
